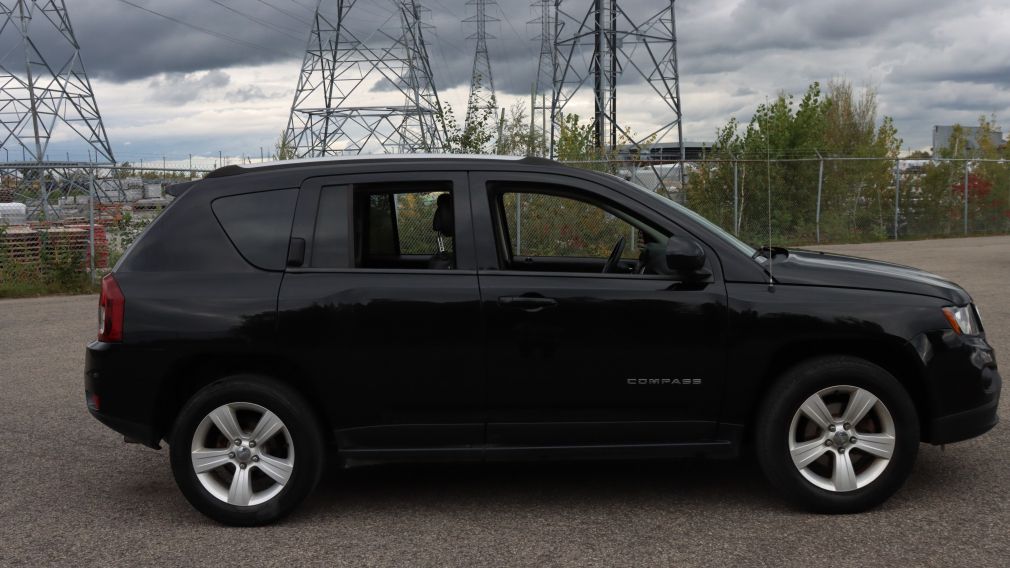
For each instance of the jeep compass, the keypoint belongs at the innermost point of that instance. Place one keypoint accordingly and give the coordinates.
(412, 307)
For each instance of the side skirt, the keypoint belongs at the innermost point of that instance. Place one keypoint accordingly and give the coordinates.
(718, 449)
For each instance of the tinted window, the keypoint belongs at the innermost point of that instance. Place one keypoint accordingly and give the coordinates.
(542, 225)
(259, 224)
(414, 213)
(394, 226)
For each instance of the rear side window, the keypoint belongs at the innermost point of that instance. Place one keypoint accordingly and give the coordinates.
(259, 225)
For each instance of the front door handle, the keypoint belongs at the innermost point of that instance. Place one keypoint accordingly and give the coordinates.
(527, 303)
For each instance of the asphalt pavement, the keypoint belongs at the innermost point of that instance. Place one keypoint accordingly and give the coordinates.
(71, 493)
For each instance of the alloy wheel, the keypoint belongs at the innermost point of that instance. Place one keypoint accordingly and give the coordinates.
(842, 438)
(243, 454)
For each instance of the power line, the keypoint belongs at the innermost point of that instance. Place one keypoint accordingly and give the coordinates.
(285, 12)
(251, 18)
(207, 31)
(311, 10)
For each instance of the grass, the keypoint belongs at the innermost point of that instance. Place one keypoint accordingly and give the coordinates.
(37, 289)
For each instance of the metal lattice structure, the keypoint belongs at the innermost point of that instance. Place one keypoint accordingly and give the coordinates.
(482, 93)
(47, 106)
(604, 43)
(543, 90)
(349, 68)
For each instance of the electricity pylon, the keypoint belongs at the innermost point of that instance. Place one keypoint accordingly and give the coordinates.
(543, 89)
(605, 43)
(362, 93)
(51, 127)
(482, 94)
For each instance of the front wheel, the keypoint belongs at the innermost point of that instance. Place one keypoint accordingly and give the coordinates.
(837, 435)
(246, 450)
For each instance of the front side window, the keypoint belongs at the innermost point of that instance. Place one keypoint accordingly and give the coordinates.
(543, 225)
(558, 229)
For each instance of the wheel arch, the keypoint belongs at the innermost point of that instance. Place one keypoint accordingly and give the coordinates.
(190, 376)
(897, 357)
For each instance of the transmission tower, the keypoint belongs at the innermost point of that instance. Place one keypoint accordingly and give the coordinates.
(482, 94)
(605, 43)
(365, 87)
(543, 90)
(47, 107)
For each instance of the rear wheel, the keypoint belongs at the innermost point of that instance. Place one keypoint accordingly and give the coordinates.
(837, 435)
(246, 450)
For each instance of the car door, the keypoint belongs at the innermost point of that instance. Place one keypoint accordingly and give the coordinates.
(577, 357)
(388, 341)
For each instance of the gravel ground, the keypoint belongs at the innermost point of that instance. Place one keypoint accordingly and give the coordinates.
(74, 494)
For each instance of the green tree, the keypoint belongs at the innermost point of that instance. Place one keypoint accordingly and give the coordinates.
(779, 153)
(285, 148)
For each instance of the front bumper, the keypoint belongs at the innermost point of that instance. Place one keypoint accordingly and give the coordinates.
(964, 425)
(964, 388)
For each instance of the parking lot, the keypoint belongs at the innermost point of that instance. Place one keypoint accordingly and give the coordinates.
(73, 494)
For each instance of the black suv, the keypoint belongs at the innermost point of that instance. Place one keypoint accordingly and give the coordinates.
(470, 308)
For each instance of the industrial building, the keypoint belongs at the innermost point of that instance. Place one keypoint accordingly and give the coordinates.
(942, 134)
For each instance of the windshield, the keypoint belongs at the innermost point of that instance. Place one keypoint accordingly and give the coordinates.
(716, 229)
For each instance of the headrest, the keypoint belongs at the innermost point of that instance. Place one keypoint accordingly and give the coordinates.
(443, 221)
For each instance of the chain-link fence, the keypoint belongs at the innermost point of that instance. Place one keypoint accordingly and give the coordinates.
(64, 215)
(63, 224)
(834, 200)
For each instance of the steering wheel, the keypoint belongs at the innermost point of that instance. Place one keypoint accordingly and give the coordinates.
(615, 257)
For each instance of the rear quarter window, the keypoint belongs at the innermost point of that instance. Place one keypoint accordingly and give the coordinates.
(259, 225)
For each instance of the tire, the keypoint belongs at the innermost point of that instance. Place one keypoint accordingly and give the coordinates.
(831, 473)
(251, 483)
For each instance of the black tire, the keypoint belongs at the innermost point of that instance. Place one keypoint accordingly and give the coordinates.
(784, 399)
(301, 424)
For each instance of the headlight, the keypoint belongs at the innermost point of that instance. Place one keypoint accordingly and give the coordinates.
(963, 320)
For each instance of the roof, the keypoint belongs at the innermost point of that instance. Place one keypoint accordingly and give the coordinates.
(228, 171)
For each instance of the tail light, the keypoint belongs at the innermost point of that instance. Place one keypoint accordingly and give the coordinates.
(110, 311)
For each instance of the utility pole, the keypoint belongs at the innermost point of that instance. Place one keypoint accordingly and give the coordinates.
(333, 113)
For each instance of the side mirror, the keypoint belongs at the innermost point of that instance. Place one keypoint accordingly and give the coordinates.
(684, 255)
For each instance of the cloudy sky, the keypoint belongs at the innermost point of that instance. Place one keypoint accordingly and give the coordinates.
(166, 89)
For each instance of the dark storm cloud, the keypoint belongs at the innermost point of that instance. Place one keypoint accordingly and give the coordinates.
(733, 53)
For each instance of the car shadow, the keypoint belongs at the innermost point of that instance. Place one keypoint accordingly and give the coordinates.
(538, 484)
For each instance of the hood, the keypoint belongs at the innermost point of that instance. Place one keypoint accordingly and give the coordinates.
(811, 268)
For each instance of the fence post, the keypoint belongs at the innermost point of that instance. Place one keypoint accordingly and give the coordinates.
(519, 223)
(897, 194)
(736, 198)
(91, 221)
(820, 187)
(965, 197)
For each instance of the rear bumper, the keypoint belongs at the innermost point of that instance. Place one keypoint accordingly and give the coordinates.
(133, 430)
(116, 397)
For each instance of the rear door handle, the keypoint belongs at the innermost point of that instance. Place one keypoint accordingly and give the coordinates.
(527, 303)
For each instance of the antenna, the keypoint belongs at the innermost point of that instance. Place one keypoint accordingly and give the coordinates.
(771, 251)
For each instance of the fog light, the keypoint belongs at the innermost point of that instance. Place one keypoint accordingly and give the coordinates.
(94, 402)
